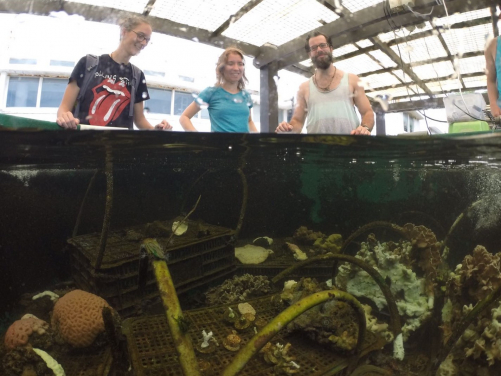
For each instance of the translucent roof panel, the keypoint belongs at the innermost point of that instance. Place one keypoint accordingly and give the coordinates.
(386, 37)
(358, 64)
(344, 50)
(364, 43)
(471, 64)
(207, 15)
(136, 6)
(467, 39)
(461, 17)
(356, 5)
(279, 21)
(384, 59)
(379, 80)
(434, 70)
(393, 92)
(400, 74)
(420, 49)
(480, 81)
(438, 86)
(306, 63)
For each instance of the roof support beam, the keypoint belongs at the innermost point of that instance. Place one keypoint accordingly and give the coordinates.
(494, 21)
(415, 105)
(111, 15)
(405, 67)
(235, 17)
(368, 23)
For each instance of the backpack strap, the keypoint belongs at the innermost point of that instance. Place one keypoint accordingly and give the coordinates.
(136, 78)
(91, 63)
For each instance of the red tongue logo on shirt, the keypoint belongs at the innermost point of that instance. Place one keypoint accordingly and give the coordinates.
(110, 99)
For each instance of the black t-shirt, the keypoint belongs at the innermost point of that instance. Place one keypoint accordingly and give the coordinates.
(107, 100)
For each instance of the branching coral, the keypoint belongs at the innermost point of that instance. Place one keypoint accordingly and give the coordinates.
(238, 289)
(474, 280)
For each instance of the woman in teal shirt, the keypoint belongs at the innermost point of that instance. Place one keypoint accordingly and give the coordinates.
(228, 103)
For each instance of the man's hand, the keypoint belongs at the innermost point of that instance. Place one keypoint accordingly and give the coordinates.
(67, 120)
(361, 130)
(283, 127)
(164, 125)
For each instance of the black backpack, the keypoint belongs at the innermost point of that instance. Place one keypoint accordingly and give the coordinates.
(91, 63)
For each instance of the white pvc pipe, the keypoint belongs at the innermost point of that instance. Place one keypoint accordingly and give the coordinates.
(84, 127)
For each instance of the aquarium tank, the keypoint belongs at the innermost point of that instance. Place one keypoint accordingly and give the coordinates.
(152, 253)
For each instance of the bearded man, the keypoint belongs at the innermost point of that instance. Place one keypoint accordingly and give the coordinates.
(329, 97)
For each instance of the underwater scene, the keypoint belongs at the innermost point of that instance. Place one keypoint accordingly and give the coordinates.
(160, 253)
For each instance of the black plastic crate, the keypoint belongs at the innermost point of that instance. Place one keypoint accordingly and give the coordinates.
(194, 258)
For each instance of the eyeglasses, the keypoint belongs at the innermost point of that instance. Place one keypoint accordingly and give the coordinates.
(141, 37)
(321, 46)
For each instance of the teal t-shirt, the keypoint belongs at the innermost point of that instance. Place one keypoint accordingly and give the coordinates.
(227, 112)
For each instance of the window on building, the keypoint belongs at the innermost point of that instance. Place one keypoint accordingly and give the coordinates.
(204, 113)
(22, 92)
(186, 78)
(181, 101)
(160, 101)
(62, 63)
(52, 92)
(408, 123)
(22, 61)
(280, 115)
(256, 113)
(154, 73)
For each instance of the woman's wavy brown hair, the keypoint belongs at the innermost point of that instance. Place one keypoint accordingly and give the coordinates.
(221, 63)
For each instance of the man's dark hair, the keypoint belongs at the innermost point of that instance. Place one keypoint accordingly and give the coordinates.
(316, 34)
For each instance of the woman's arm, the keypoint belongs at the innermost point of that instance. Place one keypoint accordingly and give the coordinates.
(65, 118)
(139, 118)
(188, 113)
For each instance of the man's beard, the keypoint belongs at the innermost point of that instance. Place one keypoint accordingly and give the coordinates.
(322, 63)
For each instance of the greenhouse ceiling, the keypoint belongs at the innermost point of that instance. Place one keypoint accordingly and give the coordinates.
(418, 52)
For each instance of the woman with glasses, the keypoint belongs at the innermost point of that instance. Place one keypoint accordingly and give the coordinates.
(108, 90)
(227, 102)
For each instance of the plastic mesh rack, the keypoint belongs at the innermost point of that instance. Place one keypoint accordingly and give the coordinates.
(153, 353)
(194, 258)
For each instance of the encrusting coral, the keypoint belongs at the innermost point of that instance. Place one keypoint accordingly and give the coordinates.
(238, 289)
(23, 361)
(77, 318)
(394, 262)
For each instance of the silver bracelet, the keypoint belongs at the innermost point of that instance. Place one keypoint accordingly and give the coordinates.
(365, 126)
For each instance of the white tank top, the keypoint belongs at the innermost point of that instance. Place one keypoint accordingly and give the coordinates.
(331, 111)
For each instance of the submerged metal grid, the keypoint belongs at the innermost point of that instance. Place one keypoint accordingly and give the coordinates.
(152, 350)
(136, 6)
(420, 49)
(279, 21)
(434, 70)
(467, 39)
(207, 15)
(358, 64)
(356, 5)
